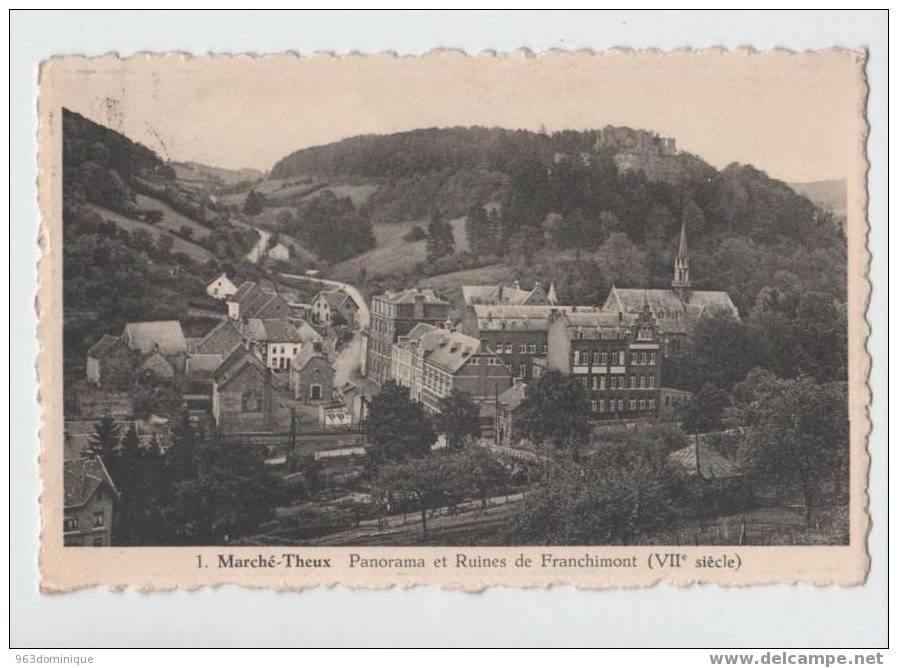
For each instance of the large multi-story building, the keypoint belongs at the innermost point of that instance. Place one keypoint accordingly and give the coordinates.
(616, 359)
(503, 294)
(394, 314)
(517, 333)
(432, 362)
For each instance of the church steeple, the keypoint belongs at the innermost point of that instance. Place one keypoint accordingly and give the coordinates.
(680, 283)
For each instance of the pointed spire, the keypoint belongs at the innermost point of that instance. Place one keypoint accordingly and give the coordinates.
(684, 248)
(680, 283)
(552, 297)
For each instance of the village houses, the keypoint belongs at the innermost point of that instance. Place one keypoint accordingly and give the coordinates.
(253, 300)
(330, 306)
(90, 497)
(394, 314)
(221, 287)
(433, 362)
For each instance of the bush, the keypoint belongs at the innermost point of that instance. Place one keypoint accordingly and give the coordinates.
(414, 234)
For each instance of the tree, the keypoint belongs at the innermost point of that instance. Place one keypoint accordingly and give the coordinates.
(254, 203)
(398, 428)
(431, 481)
(440, 240)
(478, 231)
(720, 351)
(553, 230)
(798, 434)
(181, 455)
(104, 442)
(486, 474)
(693, 218)
(705, 410)
(555, 411)
(458, 418)
(622, 263)
(626, 491)
(142, 514)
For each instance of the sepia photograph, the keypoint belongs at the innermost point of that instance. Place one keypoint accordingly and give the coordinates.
(480, 330)
(449, 328)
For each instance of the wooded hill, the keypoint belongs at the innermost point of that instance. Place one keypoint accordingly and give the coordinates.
(138, 245)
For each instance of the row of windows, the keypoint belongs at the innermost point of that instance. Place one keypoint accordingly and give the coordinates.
(583, 357)
(489, 361)
(523, 348)
(618, 382)
(72, 524)
(599, 405)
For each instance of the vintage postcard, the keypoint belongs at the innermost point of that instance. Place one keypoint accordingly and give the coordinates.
(515, 319)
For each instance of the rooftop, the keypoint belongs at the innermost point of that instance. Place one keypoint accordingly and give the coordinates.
(167, 335)
(82, 478)
(411, 295)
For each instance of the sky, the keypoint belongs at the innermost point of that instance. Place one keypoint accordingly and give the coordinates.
(799, 117)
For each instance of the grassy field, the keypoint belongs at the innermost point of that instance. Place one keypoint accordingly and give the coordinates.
(180, 245)
(393, 254)
(172, 221)
(358, 193)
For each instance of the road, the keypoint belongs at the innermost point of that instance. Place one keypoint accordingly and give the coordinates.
(258, 251)
(348, 358)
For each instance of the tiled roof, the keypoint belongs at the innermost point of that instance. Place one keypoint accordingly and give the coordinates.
(155, 361)
(203, 365)
(245, 288)
(710, 463)
(82, 478)
(220, 340)
(447, 349)
(253, 298)
(500, 317)
(145, 336)
(306, 355)
(307, 333)
(672, 314)
(595, 325)
(409, 296)
(216, 277)
(239, 357)
(334, 298)
(273, 329)
(106, 343)
(493, 294)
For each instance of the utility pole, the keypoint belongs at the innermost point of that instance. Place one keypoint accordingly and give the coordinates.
(292, 450)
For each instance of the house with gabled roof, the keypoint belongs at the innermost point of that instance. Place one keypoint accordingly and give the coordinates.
(276, 339)
(328, 303)
(253, 300)
(110, 362)
(246, 396)
(220, 287)
(312, 375)
(89, 502)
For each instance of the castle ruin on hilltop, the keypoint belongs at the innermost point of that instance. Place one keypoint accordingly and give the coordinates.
(636, 142)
